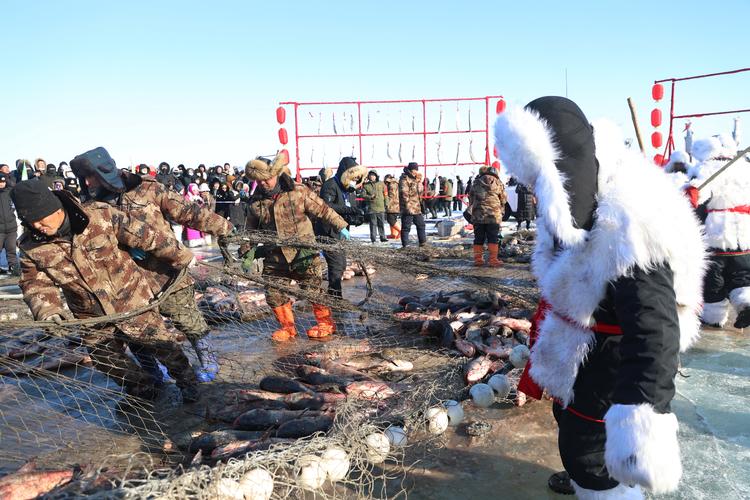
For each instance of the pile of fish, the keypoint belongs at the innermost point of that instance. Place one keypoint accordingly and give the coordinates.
(240, 302)
(475, 323)
(24, 351)
(518, 248)
(285, 408)
(352, 269)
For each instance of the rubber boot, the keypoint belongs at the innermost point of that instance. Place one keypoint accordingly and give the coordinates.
(15, 269)
(743, 318)
(209, 366)
(325, 326)
(286, 318)
(398, 230)
(494, 261)
(478, 260)
(149, 363)
(394, 232)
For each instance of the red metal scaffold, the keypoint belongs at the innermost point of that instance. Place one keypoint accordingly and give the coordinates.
(669, 146)
(359, 134)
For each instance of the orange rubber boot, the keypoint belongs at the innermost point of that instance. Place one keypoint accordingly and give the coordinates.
(478, 260)
(286, 318)
(494, 261)
(395, 232)
(325, 326)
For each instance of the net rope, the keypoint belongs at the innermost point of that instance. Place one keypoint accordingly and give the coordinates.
(62, 415)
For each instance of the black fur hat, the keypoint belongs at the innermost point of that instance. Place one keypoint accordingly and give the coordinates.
(99, 164)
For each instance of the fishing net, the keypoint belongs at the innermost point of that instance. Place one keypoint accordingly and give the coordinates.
(59, 412)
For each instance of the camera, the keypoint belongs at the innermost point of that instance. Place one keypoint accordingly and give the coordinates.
(356, 219)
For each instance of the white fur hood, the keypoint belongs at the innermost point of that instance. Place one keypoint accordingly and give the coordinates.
(641, 220)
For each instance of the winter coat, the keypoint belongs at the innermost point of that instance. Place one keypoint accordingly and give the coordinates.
(49, 179)
(631, 270)
(289, 213)
(460, 187)
(235, 210)
(166, 177)
(525, 207)
(8, 223)
(149, 201)
(487, 199)
(209, 202)
(377, 189)
(332, 195)
(410, 194)
(446, 189)
(392, 207)
(96, 273)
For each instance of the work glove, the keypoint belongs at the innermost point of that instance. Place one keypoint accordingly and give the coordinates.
(345, 235)
(138, 254)
(233, 232)
(193, 263)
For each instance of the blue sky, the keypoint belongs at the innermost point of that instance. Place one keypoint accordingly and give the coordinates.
(198, 82)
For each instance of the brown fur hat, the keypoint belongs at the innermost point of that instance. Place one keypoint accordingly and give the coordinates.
(482, 170)
(356, 173)
(260, 169)
(325, 174)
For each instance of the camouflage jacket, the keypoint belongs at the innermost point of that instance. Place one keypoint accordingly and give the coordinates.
(487, 199)
(393, 206)
(209, 202)
(149, 201)
(410, 194)
(289, 213)
(97, 275)
(377, 188)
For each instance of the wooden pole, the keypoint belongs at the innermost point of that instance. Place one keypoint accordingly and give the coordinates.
(743, 153)
(635, 124)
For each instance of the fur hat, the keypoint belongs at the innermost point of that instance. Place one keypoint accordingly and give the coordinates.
(99, 164)
(350, 171)
(203, 188)
(261, 169)
(482, 170)
(720, 146)
(413, 166)
(677, 158)
(493, 172)
(285, 170)
(325, 174)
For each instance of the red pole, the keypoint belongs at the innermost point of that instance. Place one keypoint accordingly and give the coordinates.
(359, 126)
(487, 132)
(424, 134)
(669, 146)
(296, 142)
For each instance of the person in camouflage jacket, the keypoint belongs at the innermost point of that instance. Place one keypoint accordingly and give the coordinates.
(285, 207)
(150, 201)
(410, 202)
(393, 208)
(487, 199)
(373, 192)
(80, 250)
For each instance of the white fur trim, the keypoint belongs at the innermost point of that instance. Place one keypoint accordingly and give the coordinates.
(526, 146)
(716, 313)
(677, 157)
(740, 298)
(619, 492)
(642, 447)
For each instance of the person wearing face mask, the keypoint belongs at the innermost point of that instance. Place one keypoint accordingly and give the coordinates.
(621, 297)
(410, 201)
(338, 193)
(76, 248)
(286, 208)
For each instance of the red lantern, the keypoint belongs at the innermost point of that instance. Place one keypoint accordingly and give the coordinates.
(494, 151)
(285, 153)
(280, 115)
(497, 165)
(500, 106)
(656, 117)
(284, 138)
(656, 139)
(657, 92)
(658, 159)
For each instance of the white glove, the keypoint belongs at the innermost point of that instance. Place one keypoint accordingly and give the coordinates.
(56, 318)
(642, 447)
(193, 263)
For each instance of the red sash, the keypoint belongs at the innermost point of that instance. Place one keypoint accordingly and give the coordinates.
(742, 209)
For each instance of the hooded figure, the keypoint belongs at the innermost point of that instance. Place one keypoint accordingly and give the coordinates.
(338, 192)
(487, 200)
(723, 207)
(621, 290)
(165, 176)
(374, 194)
(285, 207)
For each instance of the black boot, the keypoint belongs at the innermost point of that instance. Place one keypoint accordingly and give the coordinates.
(560, 483)
(743, 318)
(15, 269)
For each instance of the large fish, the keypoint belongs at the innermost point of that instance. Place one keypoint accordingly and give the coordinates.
(317, 376)
(259, 420)
(337, 369)
(458, 150)
(368, 123)
(305, 426)
(312, 155)
(52, 360)
(28, 485)
(230, 412)
(399, 153)
(212, 440)
(440, 121)
(515, 324)
(283, 385)
(737, 132)
(317, 401)
(388, 149)
(476, 369)
(236, 396)
(334, 123)
(413, 152)
(469, 118)
(440, 151)
(471, 151)
(239, 448)
(343, 127)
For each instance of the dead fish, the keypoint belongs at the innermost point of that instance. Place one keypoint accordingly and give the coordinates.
(239, 448)
(440, 121)
(399, 148)
(476, 369)
(283, 385)
(334, 123)
(471, 149)
(514, 324)
(464, 347)
(259, 420)
(497, 351)
(388, 149)
(518, 313)
(413, 307)
(522, 337)
(305, 426)
(50, 359)
(337, 369)
(490, 330)
(440, 330)
(230, 413)
(28, 485)
(209, 442)
(235, 396)
(339, 348)
(368, 390)
(317, 401)
(440, 146)
(317, 376)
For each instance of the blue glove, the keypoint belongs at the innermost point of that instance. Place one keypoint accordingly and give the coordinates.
(345, 235)
(233, 233)
(138, 254)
